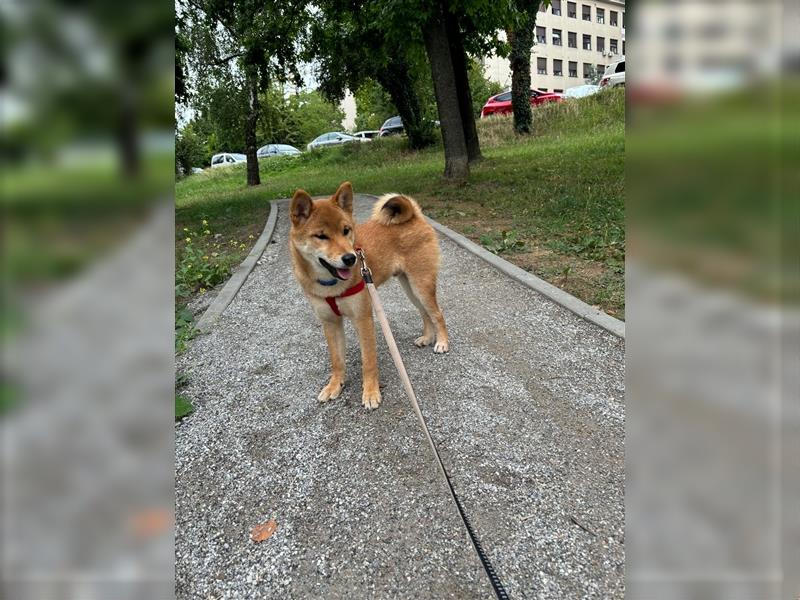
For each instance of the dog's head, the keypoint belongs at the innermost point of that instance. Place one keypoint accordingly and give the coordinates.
(323, 232)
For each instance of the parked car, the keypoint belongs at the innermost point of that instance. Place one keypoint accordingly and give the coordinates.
(197, 170)
(226, 159)
(367, 135)
(392, 126)
(277, 150)
(614, 74)
(334, 138)
(501, 103)
(581, 91)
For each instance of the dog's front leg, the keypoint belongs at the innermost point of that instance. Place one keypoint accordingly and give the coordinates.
(334, 333)
(371, 395)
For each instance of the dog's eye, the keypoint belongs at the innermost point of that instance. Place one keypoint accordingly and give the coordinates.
(347, 231)
(321, 236)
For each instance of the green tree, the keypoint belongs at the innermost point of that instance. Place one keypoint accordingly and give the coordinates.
(373, 106)
(190, 151)
(314, 115)
(482, 88)
(354, 41)
(247, 43)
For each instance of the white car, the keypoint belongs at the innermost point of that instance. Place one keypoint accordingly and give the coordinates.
(333, 138)
(581, 91)
(226, 159)
(366, 135)
(614, 74)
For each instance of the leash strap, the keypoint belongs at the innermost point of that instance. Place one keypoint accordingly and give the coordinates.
(497, 585)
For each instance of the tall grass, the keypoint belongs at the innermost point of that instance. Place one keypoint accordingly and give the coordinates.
(592, 113)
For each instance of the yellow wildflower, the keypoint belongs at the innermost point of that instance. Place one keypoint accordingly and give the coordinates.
(188, 240)
(250, 237)
(205, 222)
(206, 232)
(205, 258)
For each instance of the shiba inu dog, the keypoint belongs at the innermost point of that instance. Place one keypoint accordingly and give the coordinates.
(397, 242)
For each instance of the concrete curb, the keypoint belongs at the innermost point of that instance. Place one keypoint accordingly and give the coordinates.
(549, 291)
(239, 276)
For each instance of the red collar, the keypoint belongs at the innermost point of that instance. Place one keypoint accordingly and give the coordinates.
(331, 300)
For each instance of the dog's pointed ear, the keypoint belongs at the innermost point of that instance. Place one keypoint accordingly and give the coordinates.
(343, 198)
(301, 207)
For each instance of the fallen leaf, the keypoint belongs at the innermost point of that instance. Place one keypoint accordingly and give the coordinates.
(264, 531)
(150, 522)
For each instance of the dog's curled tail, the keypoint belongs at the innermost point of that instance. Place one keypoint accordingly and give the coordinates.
(394, 209)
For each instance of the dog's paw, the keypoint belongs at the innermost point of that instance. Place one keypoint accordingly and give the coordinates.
(331, 391)
(371, 399)
(423, 340)
(441, 347)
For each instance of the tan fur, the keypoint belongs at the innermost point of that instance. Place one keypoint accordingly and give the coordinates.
(397, 241)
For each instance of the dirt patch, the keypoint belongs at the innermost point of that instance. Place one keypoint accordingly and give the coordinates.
(594, 282)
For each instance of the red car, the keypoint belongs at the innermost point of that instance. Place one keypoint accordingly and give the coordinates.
(501, 103)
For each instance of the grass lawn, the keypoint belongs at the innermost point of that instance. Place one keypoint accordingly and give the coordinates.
(552, 202)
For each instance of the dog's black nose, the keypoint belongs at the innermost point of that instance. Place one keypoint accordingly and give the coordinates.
(349, 259)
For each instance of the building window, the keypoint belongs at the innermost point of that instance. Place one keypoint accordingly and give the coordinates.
(558, 91)
(572, 39)
(623, 47)
(613, 46)
(558, 66)
(587, 12)
(556, 37)
(587, 71)
(573, 69)
(601, 69)
(601, 44)
(542, 89)
(541, 35)
(587, 42)
(572, 10)
(623, 20)
(556, 6)
(601, 15)
(541, 66)
(613, 18)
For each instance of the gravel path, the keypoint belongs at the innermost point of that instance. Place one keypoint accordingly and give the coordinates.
(527, 409)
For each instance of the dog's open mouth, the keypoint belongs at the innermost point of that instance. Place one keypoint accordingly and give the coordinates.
(342, 274)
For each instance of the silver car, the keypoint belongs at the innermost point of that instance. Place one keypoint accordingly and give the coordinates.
(277, 150)
(333, 138)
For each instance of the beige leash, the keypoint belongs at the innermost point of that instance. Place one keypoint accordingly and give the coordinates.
(497, 586)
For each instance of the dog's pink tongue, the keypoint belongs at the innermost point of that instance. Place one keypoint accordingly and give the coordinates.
(344, 273)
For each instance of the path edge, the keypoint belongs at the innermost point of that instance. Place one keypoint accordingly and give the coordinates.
(548, 290)
(239, 276)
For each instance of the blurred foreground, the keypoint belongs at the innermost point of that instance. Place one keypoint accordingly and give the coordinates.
(712, 352)
(87, 294)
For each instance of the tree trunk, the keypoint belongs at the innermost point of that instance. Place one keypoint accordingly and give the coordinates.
(456, 160)
(521, 42)
(253, 177)
(397, 82)
(127, 138)
(459, 57)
